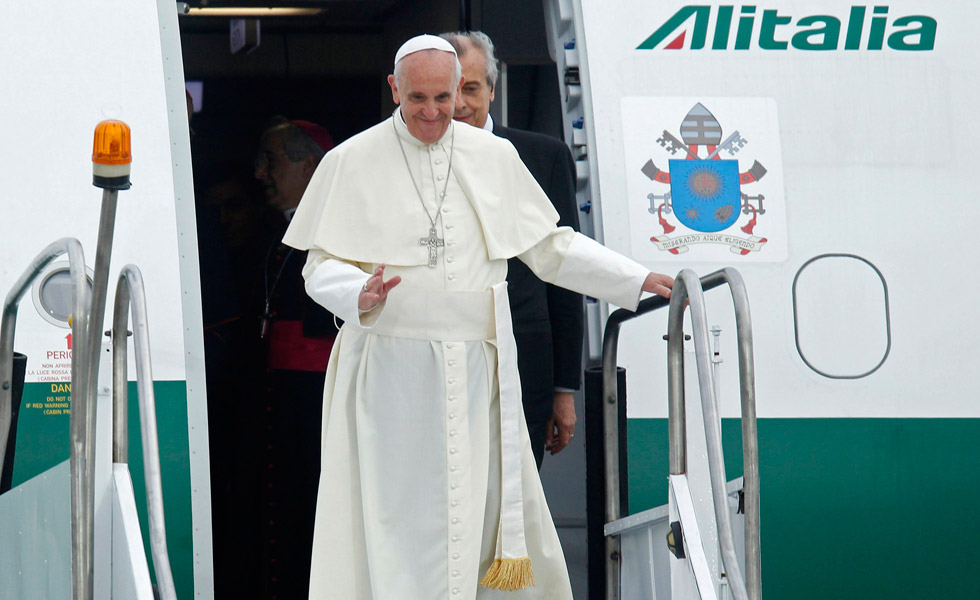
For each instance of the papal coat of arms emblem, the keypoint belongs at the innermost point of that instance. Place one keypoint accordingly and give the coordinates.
(705, 193)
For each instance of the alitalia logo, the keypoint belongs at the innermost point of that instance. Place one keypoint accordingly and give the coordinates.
(696, 27)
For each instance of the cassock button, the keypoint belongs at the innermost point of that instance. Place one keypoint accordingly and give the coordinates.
(453, 451)
(455, 591)
(455, 573)
(452, 363)
(454, 503)
(452, 276)
(452, 398)
(453, 486)
(445, 209)
(452, 380)
(455, 521)
(455, 538)
(452, 416)
(450, 346)
(450, 259)
(453, 432)
(450, 226)
(456, 556)
(438, 161)
(453, 468)
(440, 178)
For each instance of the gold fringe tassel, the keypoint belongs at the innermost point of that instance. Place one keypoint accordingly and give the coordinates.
(509, 574)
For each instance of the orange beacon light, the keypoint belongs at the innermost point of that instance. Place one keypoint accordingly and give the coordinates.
(111, 155)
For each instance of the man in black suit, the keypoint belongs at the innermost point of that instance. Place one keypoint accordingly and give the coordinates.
(548, 320)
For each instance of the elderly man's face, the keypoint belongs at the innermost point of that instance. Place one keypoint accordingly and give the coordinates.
(474, 100)
(284, 180)
(427, 93)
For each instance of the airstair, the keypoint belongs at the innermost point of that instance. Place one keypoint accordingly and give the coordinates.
(705, 543)
(73, 531)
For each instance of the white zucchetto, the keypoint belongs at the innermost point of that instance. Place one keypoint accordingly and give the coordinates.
(423, 42)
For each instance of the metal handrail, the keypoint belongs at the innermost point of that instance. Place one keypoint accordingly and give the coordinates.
(680, 296)
(610, 415)
(130, 296)
(688, 289)
(82, 420)
(751, 489)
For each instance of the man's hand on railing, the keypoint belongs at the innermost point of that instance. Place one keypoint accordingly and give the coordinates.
(659, 284)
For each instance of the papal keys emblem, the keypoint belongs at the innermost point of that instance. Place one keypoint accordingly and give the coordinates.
(705, 193)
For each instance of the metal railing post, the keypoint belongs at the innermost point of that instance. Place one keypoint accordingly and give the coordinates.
(610, 420)
(81, 465)
(610, 396)
(750, 434)
(130, 296)
(83, 584)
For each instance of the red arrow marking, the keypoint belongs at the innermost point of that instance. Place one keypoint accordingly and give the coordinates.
(678, 43)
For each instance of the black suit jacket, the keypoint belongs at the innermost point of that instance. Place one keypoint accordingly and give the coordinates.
(548, 320)
(281, 279)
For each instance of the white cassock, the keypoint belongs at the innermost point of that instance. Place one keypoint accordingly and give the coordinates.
(415, 457)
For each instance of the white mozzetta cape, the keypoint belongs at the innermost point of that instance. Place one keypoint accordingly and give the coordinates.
(365, 208)
(417, 435)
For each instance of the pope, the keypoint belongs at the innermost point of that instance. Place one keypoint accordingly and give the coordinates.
(428, 486)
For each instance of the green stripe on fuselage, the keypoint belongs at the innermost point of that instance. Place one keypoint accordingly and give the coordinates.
(852, 509)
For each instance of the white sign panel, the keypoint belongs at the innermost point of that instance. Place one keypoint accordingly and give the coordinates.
(704, 179)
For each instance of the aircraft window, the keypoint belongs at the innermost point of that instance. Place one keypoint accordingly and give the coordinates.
(840, 316)
(52, 294)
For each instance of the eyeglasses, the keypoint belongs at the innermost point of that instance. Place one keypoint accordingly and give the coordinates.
(265, 159)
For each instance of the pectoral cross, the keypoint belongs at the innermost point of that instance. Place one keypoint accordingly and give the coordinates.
(433, 242)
